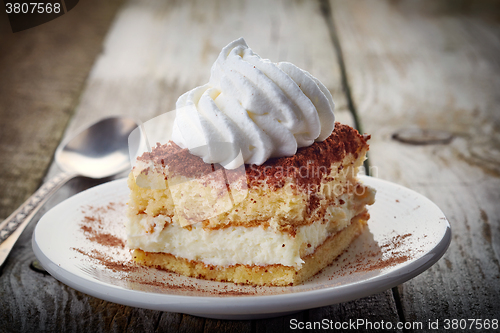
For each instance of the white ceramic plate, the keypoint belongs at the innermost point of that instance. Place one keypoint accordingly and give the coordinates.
(81, 242)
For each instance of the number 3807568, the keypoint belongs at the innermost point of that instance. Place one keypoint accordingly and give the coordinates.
(32, 7)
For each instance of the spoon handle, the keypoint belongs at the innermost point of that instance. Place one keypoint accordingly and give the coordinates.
(12, 227)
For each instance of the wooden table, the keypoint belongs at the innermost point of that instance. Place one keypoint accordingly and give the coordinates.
(407, 72)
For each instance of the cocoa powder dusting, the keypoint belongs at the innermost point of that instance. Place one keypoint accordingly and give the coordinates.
(307, 167)
(93, 230)
(108, 249)
(108, 261)
(388, 253)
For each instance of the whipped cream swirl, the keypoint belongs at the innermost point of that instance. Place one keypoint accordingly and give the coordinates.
(252, 108)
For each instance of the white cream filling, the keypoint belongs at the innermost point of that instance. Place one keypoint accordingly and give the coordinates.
(234, 245)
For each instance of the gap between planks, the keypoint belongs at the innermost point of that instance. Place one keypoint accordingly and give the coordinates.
(326, 11)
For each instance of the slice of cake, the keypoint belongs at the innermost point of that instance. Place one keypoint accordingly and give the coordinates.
(274, 206)
(294, 215)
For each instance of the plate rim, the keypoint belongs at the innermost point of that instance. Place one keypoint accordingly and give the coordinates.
(230, 306)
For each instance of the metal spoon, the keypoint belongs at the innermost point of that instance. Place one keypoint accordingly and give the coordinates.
(99, 151)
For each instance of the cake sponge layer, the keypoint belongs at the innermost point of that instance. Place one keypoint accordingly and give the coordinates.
(283, 193)
(273, 275)
(260, 244)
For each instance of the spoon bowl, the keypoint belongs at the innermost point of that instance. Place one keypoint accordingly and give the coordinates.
(99, 151)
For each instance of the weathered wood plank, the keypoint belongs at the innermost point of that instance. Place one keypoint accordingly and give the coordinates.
(279, 324)
(42, 73)
(43, 70)
(434, 66)
(143, 78)
(158, 50)
(154, 52)
(372, 309)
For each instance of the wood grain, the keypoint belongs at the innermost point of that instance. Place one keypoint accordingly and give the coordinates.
(154, 52)
(42, 74)
(435, 66)
(158, 50)
(372, 308)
